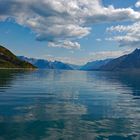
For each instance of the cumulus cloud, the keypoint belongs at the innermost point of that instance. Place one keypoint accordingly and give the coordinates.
(64, 44)
(137, 4)
(60, 20)
(126, 35)
(109, 54)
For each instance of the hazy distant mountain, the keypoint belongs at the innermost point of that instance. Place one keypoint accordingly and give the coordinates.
(125, 62)
(45, 64)
(9, 60)
(95, 65)
(75, 67)
(40, 63)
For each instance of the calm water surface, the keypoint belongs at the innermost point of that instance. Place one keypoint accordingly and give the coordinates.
(69, 105)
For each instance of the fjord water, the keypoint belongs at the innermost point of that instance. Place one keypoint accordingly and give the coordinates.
(69, 105)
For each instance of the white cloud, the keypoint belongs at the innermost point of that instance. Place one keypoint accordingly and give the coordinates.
(108, 54)
(64, 44)
(98, 40)
(127, 35)
(58, 20)
(137, 4)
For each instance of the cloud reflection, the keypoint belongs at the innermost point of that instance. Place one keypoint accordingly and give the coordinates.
(51, 105)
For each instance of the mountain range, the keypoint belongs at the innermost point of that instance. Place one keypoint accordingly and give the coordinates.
(95, 65)
(126, 62)
(45, 64)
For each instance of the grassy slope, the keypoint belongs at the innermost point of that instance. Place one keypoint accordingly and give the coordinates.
(9, 60)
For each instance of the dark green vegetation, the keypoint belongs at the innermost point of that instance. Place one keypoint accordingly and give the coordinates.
(9, 60)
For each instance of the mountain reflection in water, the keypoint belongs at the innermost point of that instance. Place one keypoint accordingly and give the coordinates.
(75, 105)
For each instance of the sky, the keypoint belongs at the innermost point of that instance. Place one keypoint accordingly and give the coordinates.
(71, 31)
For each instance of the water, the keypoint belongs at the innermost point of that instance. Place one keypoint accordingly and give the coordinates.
(69, 105)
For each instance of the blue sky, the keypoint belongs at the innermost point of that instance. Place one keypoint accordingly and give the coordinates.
(74, 31)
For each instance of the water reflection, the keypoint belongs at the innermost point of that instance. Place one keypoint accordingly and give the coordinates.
(61, 105)
(7, 77)
(126, 80)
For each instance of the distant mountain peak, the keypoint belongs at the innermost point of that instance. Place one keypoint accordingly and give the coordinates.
(95, 65)
(45, 64)
(137, 50)
(126, 62)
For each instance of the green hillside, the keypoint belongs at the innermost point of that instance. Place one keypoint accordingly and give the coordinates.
(9, 60)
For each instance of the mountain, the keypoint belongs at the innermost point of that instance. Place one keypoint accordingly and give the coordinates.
(40, 63)
(60, 65)
(9, 60)
(95, 65)
(45, 64)
(75, 67)
(125, 62)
